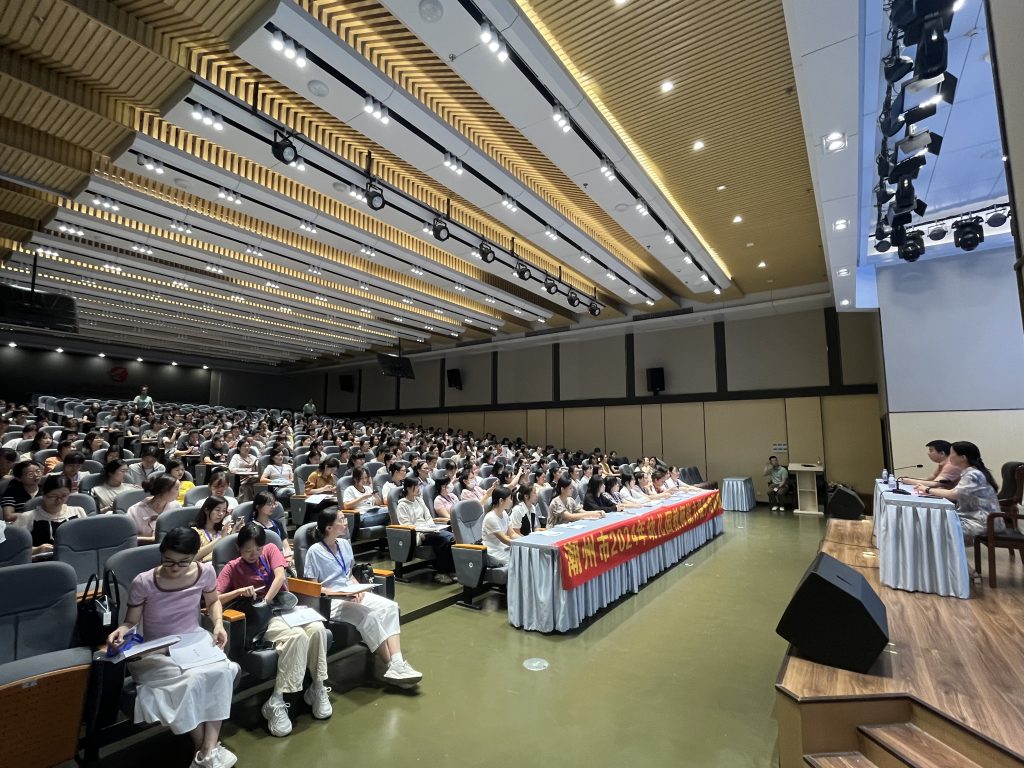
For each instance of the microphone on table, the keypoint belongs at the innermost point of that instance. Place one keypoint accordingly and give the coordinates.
(899, 490)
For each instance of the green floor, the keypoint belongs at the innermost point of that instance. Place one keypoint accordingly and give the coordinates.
(681, 674)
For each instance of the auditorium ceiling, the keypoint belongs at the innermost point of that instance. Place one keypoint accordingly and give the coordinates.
(311, 180)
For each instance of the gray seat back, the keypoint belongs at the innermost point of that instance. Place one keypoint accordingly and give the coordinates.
(487, 482)
(87, 483)
(87, 543)
(225, 550)
(378, 482)
(38, 609)
(428, 496)
(467, 521)
(544, 500)
(372, 467)
(393, 499)
(129, 563)
(125, 499)
(16, 548)
(168, 520)
(83, 500)
(343, 485)
(486, 469)
(301, 542)
(302, 474)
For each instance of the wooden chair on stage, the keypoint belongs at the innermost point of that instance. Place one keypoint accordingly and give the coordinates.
(1013, 488)
(1012, 539)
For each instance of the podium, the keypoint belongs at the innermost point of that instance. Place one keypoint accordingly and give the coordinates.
(806, 488)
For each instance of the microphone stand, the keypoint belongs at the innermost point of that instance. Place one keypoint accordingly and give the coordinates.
(899, 490)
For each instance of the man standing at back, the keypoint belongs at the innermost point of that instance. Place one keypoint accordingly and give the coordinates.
(143, 402)
(309, 409)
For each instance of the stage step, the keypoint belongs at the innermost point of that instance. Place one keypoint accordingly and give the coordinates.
(904, 744)
(839, 760)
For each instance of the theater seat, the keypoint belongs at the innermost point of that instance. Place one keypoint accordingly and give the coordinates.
(471, 568)
(402, 546)
(87, 543)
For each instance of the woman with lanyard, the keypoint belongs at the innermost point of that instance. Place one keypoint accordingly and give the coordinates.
(279, 475)
(166, 600)
(259, 574)
(329, 561)
(263, 508)
(212, 524)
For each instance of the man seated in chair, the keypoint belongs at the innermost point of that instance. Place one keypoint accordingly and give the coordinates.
(778, 477)
(946, 475)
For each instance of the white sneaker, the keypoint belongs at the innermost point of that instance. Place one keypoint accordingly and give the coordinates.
(399, 673)
(275, 710)
(775, 509)
(218, 757)
(316, 696)
(443, 578)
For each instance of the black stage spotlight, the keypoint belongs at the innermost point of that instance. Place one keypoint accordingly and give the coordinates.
(912, 248)
(486, 252)
(897, 67)
(440, 229)
(968, 234)
(573, 299)
(522, 271)
(910, 16)
(905, 197)
(883, 194)
(550, 285)
(883, 245)
(283, 148)
(594, 308)
(374, 197)
(937, 232)
(932, 49)
(997, 219)
(921, 141)
(909, 168)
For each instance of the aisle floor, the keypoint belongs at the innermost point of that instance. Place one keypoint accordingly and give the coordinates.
(680, 674)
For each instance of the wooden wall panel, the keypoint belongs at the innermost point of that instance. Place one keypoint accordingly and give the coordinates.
(651, 442)
(536, 427)
(686, 354)
(511, 424)
(682, 430)
(623, 430)
(524, 374)
(739, 437)
(584, 428)
(468, 422)
(592, 369)
(853, 441)
(425, 390)
(859, 335)
(377, 392)
(803, 427)
(555, 427)
(777, 352)
(476, 379)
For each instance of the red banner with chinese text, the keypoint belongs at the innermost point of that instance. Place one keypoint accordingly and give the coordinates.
(590, 554)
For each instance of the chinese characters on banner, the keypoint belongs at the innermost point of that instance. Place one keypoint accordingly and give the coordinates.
(590, 554)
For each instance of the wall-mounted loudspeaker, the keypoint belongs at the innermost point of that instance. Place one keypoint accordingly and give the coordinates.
(454, 378)
(655, 380)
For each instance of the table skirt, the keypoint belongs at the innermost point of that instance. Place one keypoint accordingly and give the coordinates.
(921, 549)
(738, 494)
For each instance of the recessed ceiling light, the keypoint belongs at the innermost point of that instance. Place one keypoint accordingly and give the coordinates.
(698, 145)
(834, 142)
(102, 354)
(138, 359)
(621, 2)
(761, 265)
(318, 88)
(206, 367)
(844, 303)
(721, 187)
(173, 363)
(737, 219)
(11, 344)
(667, 86)
(840, 224)
(59, 350)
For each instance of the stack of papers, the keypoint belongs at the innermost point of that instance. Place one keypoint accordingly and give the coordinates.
(318, 498)
(297, 617)
(195, 649)
(353, 589)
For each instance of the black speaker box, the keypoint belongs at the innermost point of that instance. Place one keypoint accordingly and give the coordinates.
(844, 503)
(655, 380)
(835, 618)
(454, 378)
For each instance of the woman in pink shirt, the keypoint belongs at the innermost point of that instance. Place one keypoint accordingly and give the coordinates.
(444, 499)
(166, 600)
(163, 495)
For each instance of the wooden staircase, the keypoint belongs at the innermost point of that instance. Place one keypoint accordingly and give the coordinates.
(927, 740)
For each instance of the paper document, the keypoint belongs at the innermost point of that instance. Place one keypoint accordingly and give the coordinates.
(297, 617)
(430, 527)
(353, 589)
(151, 645)
(195, 649)
(318, 498)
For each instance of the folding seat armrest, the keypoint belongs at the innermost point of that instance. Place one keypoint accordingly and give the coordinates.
(385, 581)
(296, 508)
(470, 564)
(401, 542)
(234, 625)
(355, 521)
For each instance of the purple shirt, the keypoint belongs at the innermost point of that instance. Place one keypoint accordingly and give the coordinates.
(170, 612)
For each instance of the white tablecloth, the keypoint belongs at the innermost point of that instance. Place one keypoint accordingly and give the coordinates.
(738, 494)
(920, 544)
(536, 599)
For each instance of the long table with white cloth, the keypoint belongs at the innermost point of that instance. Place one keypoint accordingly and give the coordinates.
(920, 543)
(559, 577)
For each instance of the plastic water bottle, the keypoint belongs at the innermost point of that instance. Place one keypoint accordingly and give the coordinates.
(892, 480)
(885, 475)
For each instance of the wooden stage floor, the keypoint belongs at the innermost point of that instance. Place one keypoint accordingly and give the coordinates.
(965, 658)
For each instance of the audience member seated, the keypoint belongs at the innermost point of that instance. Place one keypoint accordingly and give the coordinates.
(395, 481)
(324, 479)
(166, 600)
(213, 522)
(777, 476)
(45, 519)
(8, 458)
(176, 469)
(614, 492)
(112, 482)
(974, 494)
(564, 508)
(219, 485)
(946, 475)
(330, 561)
(279, 475)
(141, 471)
(23, 486)
(471, 489)
(497, 531)
(258, 575)
(444, 499)
(72, 470)
(163, 495)
(246, 465)
(596, 500)
(412, 510)
(93, 442)
(262, 514)
(216, 453)
(40, 442)
(525, 510)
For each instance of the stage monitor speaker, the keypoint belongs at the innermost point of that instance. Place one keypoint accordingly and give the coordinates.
(844, 503)
(835, 618)
(346, 382)
(454, 378)
(655, 380)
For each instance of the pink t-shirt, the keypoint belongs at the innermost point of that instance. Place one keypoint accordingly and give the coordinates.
(170, 612)
(144, 516)
(238, 573)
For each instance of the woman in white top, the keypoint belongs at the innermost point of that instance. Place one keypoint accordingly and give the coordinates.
(163, 495)
(112, 484)
(496, 532)
(565, 509)
(43, 521)
(246, 464)
(279, 475)
(358, 497)
(412, 510)
(525, 511)
(329, 561)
